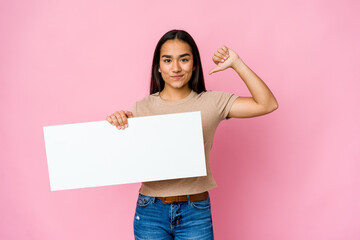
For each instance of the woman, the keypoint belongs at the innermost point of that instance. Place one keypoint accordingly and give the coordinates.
(180, 208)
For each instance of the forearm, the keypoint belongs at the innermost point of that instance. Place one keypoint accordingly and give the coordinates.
(258, 89)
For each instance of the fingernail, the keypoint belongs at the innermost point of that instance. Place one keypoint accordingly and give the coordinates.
(118, 127)
(126, 125)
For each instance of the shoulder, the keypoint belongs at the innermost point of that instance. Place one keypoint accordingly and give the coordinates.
(144, 103)
(147, 99)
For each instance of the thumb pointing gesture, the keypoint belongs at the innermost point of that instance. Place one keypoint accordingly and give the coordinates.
(223, 58)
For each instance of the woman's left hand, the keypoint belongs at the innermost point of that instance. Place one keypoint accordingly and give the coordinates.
(224, 57)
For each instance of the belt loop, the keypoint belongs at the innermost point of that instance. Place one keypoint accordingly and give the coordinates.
(188, 197)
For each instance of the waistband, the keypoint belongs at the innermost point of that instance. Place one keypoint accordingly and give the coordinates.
(184, 198)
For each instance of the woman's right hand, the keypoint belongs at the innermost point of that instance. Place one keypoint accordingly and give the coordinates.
(119, 119)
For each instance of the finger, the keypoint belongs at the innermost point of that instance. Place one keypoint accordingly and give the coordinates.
(108, 118)
(114, 120)
(222, 51)
(217, 58)
(219, 54)
(124, 120)
(129, 114)
(226, 49)
(222, 59)
(119, 120)
(215, 69)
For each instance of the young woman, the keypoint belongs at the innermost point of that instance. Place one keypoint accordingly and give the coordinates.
(180, 208)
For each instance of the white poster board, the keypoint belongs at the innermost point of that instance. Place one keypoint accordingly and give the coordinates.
(98, 154)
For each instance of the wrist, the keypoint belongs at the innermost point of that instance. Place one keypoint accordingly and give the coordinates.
(238, 65)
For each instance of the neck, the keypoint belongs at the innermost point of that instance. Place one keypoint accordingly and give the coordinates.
(171, 94)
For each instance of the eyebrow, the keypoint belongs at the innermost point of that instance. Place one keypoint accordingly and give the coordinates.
(169, 56)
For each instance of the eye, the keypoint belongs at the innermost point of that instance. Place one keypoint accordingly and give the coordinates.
(167, 60)
(184, 60)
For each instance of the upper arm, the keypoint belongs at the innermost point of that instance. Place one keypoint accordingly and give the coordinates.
(246, 107)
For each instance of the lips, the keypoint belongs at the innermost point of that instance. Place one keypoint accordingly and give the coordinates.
(177, 77)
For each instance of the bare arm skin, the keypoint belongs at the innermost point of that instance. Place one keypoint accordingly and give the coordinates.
(262, 101)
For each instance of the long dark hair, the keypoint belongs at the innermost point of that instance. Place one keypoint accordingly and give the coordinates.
(196, 82)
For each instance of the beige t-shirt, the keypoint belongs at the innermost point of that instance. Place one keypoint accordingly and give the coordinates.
(214, 107)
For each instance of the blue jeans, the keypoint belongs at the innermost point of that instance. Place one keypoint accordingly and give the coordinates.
(182, 220)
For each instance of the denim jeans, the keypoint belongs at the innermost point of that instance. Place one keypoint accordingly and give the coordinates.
(180, 221)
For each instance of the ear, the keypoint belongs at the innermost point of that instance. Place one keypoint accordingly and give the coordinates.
(194, 68)
(159, 70)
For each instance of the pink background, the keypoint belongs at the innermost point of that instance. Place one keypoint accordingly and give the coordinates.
(293, 174)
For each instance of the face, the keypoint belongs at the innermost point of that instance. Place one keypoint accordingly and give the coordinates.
(176, 64)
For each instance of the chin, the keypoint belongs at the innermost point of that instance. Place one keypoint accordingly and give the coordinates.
(177, 85)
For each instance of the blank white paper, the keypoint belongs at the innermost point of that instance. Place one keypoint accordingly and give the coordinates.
(152, 148)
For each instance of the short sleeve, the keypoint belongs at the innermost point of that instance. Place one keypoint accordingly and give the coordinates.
(134, 110)
(223, 103)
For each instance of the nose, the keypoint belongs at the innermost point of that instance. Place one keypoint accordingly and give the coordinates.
(176, 67)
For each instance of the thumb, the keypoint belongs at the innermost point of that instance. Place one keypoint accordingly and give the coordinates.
(215, 69)
(129, 114)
